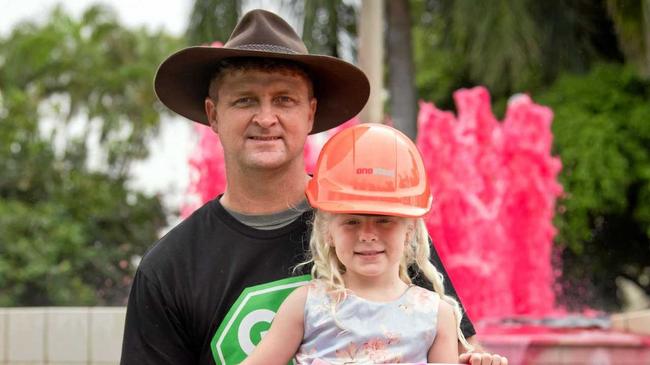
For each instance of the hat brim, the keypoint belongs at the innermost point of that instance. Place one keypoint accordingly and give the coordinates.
(379, 208)
(183, 79)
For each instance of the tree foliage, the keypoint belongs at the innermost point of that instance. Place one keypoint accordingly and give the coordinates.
(74, 91)
(401, 70)
(602, 135)
(509, 46)
(212, 20)
(327, 25)
(632, 21)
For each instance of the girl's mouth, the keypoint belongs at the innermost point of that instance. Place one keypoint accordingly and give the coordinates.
(369, 253)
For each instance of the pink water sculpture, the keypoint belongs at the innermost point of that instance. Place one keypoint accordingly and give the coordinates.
(494, 186)
(207, 170)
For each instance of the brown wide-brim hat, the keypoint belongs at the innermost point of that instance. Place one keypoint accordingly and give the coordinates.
(183, 79)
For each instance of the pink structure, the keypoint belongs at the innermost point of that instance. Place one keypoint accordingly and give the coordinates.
(494, 186)
(207, 170)
(529, 345)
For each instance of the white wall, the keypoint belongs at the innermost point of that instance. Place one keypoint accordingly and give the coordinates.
(61, 335)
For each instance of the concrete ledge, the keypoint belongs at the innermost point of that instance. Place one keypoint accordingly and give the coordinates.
(632, 322)
(66, 337)
(26, 335)
(61, 335)
(106, 331)
(546, 346)
(3, 336)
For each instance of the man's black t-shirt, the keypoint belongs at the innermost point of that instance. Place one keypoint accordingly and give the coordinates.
(206, 292)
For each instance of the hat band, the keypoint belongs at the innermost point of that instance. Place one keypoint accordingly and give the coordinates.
(265, 48)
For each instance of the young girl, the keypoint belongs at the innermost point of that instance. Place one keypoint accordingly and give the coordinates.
(370, 192)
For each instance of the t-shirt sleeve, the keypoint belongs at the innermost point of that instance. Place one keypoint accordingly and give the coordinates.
(466, 324)
(153, 333)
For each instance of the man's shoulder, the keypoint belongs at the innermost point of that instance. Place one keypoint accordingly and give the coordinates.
(182, 239)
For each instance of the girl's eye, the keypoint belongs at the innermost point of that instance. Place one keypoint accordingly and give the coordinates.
(351, 222)
(385, 220)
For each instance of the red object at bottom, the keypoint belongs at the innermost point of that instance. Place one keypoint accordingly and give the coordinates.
(323, 362)
(546, 346)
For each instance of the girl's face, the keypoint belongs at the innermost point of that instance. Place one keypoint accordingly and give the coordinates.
(369, 246)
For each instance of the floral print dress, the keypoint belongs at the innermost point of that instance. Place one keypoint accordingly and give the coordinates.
(367, 332)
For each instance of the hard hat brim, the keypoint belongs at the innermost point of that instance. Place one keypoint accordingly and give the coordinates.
(378, 208)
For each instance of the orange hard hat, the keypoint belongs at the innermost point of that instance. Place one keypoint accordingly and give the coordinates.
(370, 169)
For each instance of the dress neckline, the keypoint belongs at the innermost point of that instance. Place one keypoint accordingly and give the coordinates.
(398, 299)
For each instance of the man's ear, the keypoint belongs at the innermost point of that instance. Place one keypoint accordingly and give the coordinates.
(312, 112)
(211, 113)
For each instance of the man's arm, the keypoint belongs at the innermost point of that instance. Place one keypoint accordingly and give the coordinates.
(153, 333)
(478, 356)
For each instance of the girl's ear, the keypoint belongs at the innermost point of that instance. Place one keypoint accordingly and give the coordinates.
(410, 233)
(329, 240)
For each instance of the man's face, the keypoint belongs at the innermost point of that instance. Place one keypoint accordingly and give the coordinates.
(262, 118)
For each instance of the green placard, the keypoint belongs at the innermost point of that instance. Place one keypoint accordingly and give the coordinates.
(249, 318)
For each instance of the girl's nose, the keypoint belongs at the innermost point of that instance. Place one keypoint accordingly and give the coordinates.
(367, 233)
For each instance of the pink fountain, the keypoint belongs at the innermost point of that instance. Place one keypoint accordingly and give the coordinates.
(495, 187)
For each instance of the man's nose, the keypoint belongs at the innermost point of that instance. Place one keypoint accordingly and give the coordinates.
(266, 115)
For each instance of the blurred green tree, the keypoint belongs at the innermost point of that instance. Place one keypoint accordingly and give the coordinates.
(632, 22)
(75, 93)
(401, 70)
(327, 25)
(509, 46)
(602, 134)
(212, 20)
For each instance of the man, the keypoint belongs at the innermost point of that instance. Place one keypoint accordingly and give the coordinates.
(207, 291)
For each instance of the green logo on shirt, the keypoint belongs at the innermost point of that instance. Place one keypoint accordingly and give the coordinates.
(249, 318)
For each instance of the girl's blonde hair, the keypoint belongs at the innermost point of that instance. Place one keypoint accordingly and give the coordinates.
(327, 267)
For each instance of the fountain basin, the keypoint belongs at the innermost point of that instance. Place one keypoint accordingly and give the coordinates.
(530, 345)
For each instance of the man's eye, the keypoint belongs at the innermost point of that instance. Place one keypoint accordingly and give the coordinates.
(284, 100)
(244, 101)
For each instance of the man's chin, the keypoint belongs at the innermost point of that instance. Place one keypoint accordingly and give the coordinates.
(267, 163)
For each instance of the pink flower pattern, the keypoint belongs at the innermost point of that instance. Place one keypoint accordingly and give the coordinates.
(386, 345)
